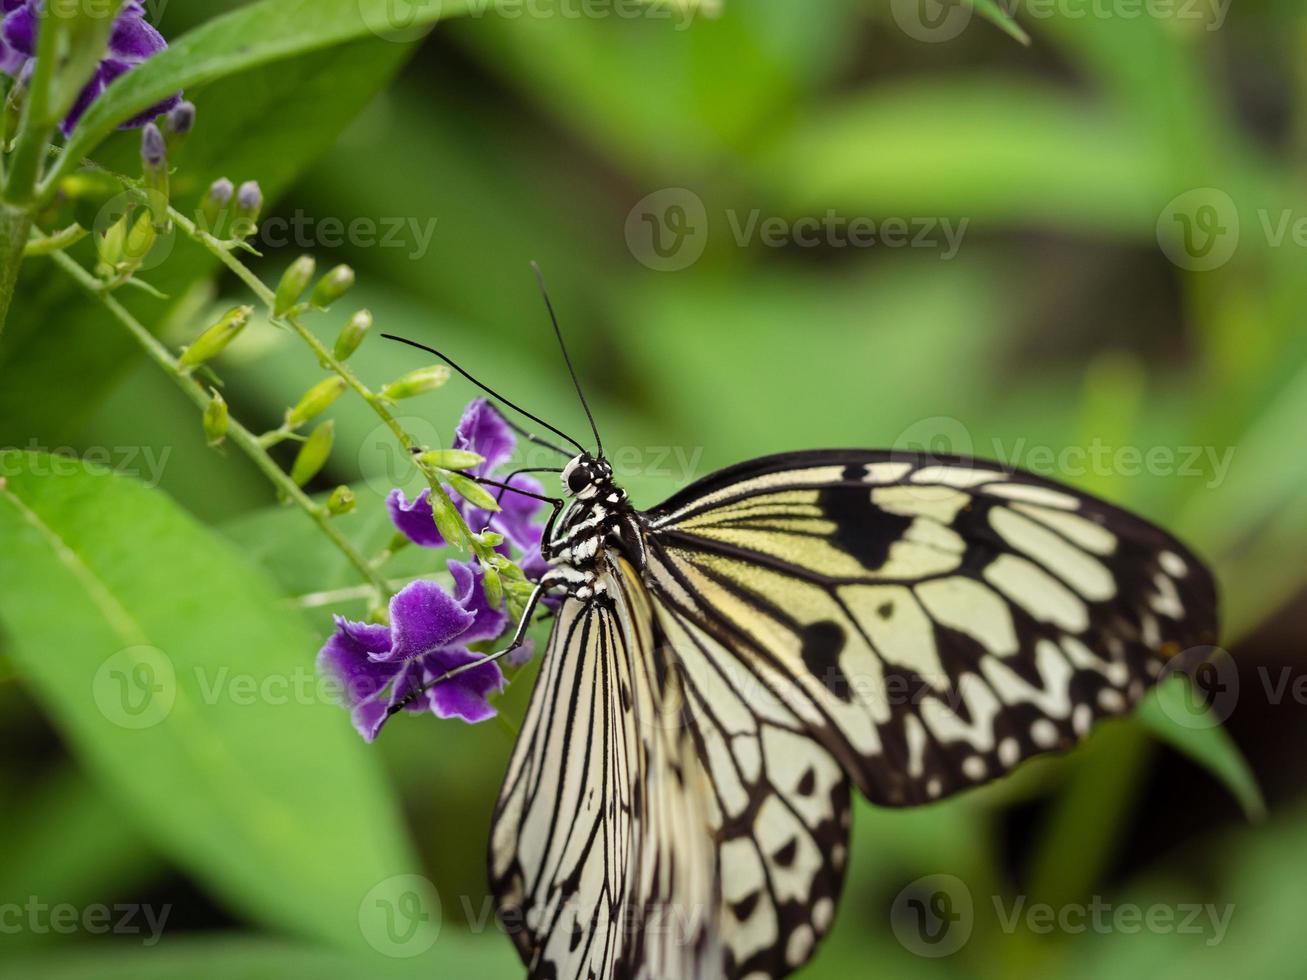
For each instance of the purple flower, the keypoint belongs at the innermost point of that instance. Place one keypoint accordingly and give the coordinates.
(482, 430)
(132, 41)
(428, 635)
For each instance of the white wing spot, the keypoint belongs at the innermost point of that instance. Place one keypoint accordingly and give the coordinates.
(1043, 733)
(974, 768)
(823, 913)
(1111, 701)
(1173, 564)
(799, 946)
(1082, 718)
(1009, 752)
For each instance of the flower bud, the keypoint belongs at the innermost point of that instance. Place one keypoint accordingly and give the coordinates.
(109, 246)
(154, 162)
(450, 459)
(314, 453)
(293, 283)
(249, 204)
(214, 341)
(416, 383)
(154, 150)
(448, 520)
(494, 587)
(352, 334)
(140, 240)
(213, 210)
(315, 401)
(332, 286)
(471, 491)
(216, 419)
(181, 120)
(341, 501)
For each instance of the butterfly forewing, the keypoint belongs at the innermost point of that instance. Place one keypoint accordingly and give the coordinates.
(932, 622)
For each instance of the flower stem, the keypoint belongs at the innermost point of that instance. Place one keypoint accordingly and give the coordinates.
(240, 436)
(15, 226)
(292, 319)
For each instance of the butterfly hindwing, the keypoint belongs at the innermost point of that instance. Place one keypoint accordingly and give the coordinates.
(932, 622)
(599, 858)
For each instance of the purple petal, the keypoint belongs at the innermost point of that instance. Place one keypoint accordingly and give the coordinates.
(482, 430)
(19, 30)
(522, 655)
(134, 39)
(469, 593)
(414, 520)
(348, 658)
(515, 521)
(466, 695)
(424, 617)
(369, 717)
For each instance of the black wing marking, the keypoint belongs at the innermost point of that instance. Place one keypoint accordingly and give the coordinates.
(932, 622)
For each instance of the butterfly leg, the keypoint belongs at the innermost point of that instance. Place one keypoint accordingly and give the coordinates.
(519, 637)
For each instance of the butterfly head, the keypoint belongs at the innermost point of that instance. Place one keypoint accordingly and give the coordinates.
(585, 476)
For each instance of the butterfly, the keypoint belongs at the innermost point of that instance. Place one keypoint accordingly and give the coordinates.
(726, 669)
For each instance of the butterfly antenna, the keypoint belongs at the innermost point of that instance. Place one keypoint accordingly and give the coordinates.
(486, 388)
(532, 437)
(558, 332)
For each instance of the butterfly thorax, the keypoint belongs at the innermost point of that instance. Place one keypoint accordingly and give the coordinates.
(600, 518)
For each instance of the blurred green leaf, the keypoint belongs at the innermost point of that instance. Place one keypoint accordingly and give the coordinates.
(987, 147)
(454, 955)
(184, 686)
(1002, 18)
(1209, 745)
(248, 37)
(61, 348)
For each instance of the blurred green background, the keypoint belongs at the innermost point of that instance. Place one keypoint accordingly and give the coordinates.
(1124, 308)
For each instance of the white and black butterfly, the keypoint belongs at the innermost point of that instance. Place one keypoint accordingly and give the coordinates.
(725, 667)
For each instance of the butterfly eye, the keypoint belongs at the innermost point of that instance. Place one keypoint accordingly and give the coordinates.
(578, 480)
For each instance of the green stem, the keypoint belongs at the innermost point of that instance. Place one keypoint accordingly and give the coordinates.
(241, 437)
(268, 297)
(15, 226)
(60, 240)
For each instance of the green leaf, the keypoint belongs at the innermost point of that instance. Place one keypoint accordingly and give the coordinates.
(991, 148)
(181, 683)
(1206, 743)
(454, 954)
(258, 34)
(61, 347)
(1005, 21)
